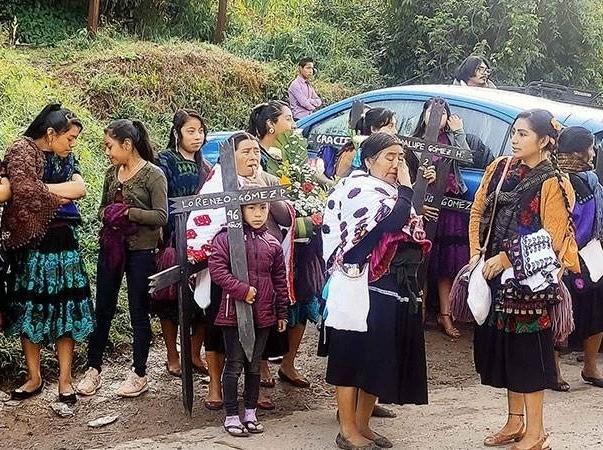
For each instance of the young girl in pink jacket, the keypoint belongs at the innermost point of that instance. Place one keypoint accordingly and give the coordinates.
(268, 295)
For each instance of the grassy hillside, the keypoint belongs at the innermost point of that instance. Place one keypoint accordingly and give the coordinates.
(118, 77)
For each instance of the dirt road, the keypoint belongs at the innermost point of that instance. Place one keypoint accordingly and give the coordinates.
(461, 412)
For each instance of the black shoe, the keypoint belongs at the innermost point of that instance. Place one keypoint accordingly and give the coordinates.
(382, 441)
(594, 381)
(380, 411)
(344, 444)
(68, 399)
(19, 394)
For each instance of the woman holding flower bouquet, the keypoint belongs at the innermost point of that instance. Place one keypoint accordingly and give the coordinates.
(285, 154)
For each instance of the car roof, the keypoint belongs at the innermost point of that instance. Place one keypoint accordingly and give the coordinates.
(510, 103)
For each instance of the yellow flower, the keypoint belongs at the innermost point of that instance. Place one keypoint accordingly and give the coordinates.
(285, 180)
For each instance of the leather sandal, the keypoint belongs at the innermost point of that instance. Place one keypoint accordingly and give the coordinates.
(266, 405)
(542, 444)
(451, 331)
(297, 382)
(213, 405)
(501, 439)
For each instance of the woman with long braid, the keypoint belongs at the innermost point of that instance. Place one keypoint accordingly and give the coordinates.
(523, 200)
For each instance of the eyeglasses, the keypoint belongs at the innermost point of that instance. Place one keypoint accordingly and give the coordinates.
(483, 69)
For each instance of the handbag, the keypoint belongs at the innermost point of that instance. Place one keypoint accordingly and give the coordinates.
(347, 298)
(470, 290)
(166, 258)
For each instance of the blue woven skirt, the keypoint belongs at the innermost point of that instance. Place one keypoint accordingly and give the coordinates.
(50, 296)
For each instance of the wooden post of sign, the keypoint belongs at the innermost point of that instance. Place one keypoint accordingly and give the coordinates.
(93, 16)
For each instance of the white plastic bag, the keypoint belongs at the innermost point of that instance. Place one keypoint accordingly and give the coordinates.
(347, 302)
(592, 255)
(479, 296)
(202, 289)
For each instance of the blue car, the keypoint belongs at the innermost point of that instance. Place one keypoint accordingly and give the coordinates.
(486, 113)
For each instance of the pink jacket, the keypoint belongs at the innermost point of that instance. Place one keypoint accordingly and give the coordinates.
(267, 273)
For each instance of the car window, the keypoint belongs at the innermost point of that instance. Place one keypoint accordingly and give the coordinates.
(407, 113)
(486, 135)
(332, 131)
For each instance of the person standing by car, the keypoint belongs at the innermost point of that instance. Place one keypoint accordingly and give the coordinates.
(474, 71)
(576, 153)
(451, 247)
(303, 99)
(518, 199)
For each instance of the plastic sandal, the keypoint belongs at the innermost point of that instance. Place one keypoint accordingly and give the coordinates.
(236, 430)
(254, 427)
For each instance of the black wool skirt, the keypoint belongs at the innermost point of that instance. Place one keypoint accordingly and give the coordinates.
(388, 360)
(523, 361)
(588, 314)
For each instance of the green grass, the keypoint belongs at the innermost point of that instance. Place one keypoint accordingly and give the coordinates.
(115, 76)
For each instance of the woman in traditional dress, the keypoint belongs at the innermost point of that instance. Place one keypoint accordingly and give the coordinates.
(369, 221)
(514, 347)
(451, 248)
(133, 209)
(185, 170)
(50, 295)
(269, 122)
(202, 227)
(576, 153)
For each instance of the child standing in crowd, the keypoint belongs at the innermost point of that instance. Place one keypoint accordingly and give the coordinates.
(50, 293)
(267, 293)
(133, 209)
(185, 170)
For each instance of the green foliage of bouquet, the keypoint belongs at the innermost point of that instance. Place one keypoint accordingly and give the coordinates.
(307, 195)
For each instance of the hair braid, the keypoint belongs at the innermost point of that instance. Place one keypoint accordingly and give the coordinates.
(559, 176)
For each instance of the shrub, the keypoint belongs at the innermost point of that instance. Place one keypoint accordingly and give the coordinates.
(109, 78)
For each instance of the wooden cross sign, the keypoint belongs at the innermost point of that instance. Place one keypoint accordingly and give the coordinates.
(231, 199)
(429, 147)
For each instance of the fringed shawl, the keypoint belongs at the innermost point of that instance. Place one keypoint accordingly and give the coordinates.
(32, 205)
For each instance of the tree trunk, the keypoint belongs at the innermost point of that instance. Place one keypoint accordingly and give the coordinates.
(220, 21)
(93, 15)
